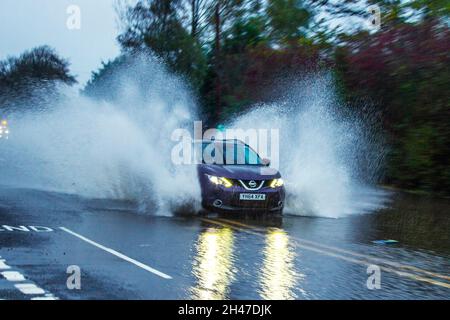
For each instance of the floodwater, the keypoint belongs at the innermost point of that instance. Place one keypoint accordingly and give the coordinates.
(225, 257)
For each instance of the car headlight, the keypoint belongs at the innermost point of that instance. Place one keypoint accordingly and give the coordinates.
(276, 183)
(220, 181)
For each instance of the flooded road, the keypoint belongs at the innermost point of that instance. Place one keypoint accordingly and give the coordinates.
(125, 255)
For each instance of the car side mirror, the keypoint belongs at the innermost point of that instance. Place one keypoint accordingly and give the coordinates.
(266, 162)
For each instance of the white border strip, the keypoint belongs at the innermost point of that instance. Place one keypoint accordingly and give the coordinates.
(13, 276)
(118, 254)
(29, 288)
(3, 265)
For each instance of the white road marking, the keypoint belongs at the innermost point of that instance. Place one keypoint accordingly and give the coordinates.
(13, 276)
(29, 288)
(118, 254)
(3, 265)
(14, 228)
(7, 228)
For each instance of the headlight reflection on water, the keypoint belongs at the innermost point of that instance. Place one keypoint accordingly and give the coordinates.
(278, 277)
(213, 265)
(4, 129)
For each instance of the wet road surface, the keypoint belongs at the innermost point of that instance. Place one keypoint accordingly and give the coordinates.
(126, 255)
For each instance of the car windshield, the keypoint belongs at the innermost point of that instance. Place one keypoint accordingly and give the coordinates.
(229, 153)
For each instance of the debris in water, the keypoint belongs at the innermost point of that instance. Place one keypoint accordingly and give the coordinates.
(389, 241)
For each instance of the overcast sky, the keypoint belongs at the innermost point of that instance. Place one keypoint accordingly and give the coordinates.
(25, 24)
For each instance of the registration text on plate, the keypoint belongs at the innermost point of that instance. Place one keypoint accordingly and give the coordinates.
(253, 196)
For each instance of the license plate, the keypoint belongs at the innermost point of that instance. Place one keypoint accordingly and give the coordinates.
(253, 196)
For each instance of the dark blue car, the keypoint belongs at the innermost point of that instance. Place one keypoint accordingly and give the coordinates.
(235, 179)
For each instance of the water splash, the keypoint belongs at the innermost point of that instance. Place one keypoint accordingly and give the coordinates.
(121, 149)
(330, 160)
(98, 149)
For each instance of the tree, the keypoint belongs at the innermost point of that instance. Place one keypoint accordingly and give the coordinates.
(158, 25)
(199, 11)
(431, 9)
(245, 33)
(288, 20)
(223, 10)
(404, 69)
(103, 83)
(31, 79)
(41, 63)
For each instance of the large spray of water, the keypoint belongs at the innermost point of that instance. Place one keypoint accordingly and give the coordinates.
(121, 149)
(330, 160)
(96, 149)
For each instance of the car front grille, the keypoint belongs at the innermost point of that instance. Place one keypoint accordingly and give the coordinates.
(252, 185)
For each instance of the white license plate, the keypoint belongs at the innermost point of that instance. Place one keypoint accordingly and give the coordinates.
(253, 196)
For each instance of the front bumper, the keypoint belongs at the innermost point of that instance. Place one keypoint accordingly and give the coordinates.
(221, 199)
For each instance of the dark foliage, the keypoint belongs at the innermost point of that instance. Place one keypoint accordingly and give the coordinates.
(31, 77)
